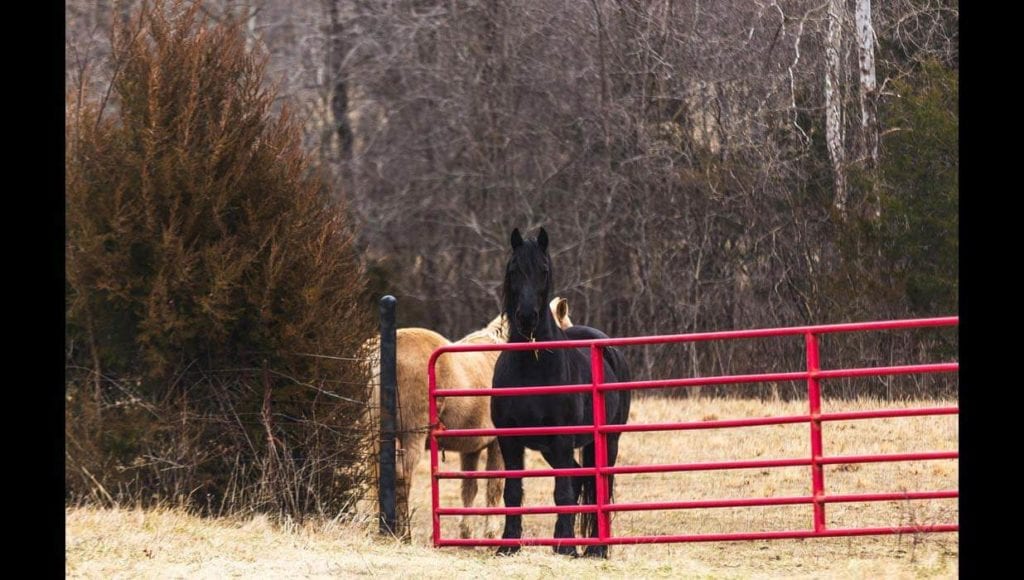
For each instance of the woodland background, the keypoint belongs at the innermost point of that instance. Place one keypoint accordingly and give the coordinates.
(698, 165)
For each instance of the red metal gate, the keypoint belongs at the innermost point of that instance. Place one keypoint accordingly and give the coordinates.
(816, 461)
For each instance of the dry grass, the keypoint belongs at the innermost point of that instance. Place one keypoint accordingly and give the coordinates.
(124, 543)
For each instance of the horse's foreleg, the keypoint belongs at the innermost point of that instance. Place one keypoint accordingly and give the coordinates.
(559, 456)
(469, 461)
(512, 454)
(494, 487)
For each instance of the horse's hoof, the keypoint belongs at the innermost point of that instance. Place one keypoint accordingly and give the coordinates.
(596, 552)
(507, 550)
(567, 551)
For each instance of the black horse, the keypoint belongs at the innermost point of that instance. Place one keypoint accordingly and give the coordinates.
(526, 291)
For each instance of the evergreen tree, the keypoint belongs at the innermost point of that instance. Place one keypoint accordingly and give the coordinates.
(206, 264)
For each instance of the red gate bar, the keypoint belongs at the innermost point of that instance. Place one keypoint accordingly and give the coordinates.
(816, 460)
(716, 537)
(703, 466)
(709, 503)
(707, 336)
(694, 381)
(690, 382)
(715, 424)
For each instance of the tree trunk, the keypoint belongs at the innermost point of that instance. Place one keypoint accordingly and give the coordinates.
(336, 80)
(868, 134)
(251, 9)
(833, 104)
(866, 53)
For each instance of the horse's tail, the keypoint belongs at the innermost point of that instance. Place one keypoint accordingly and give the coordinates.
(588, 520)
(617, 361)
(588, 494)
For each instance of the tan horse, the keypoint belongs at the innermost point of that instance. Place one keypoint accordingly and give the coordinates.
(453, 371)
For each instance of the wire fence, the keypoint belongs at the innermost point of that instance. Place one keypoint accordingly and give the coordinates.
(227, 439)
(258, 437)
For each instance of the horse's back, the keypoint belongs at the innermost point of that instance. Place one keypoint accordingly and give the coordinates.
(616, 361)
(613, 354)
(469, 370)
(413, 348)
(583, 332)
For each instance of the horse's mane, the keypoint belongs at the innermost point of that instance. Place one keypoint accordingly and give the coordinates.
(495, 332)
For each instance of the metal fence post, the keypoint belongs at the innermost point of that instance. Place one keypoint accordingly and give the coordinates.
(814, 400)
(600, 442)
(388, 385)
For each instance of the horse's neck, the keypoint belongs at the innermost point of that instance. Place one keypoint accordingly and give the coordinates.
(547, 330)
(543, 366)
(472, 363)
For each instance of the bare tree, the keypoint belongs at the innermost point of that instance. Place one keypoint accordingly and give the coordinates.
(687, 158)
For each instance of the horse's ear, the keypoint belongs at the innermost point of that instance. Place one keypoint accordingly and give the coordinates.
(560, 308)
(542, 240)
(517, 238)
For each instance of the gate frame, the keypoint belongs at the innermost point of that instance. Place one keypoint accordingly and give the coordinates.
(603, 507)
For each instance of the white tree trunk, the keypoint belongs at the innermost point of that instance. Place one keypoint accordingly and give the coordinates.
(251, 9)
(833, 103)
(866, 52)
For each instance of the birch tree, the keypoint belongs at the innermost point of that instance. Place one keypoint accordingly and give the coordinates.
(834, 126)
(866, 55)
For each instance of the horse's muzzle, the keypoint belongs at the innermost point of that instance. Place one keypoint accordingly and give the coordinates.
(527, 322)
